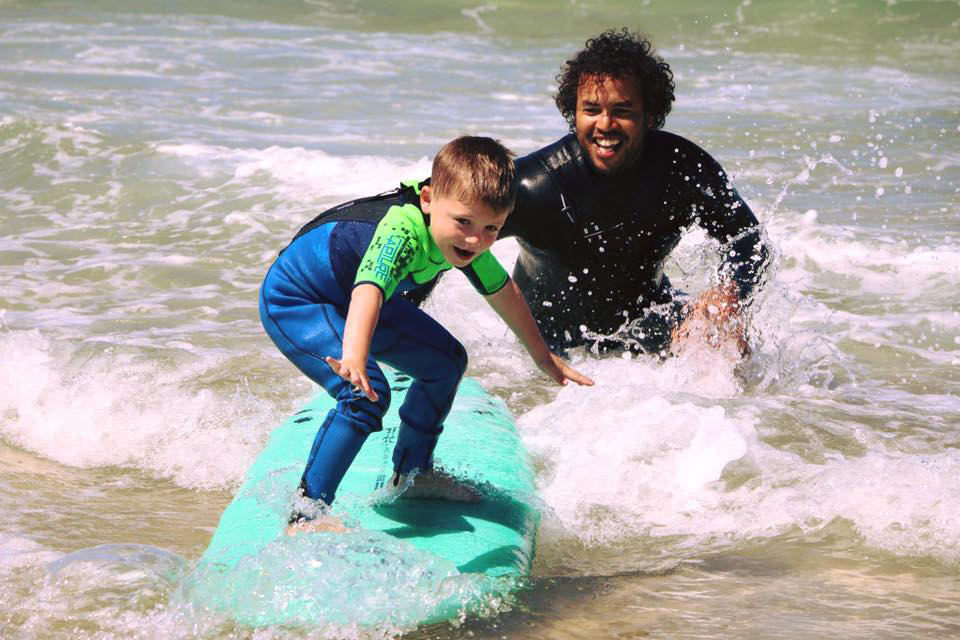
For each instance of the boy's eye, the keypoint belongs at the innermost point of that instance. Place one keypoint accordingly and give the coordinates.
(462, 221)
(492, 228)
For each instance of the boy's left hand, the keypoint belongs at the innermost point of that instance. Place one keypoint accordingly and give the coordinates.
(560, 371)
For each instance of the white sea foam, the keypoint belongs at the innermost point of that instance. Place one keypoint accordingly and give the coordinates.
(18, 551)
(878, 265)
(634, 460)
(123, 409)
(643, 463)
(301, 173)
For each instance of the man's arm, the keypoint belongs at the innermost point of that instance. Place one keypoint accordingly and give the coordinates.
(728, 219)
(510, 305)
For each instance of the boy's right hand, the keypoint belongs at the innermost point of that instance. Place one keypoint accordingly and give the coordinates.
(355, 373)
(560, 371)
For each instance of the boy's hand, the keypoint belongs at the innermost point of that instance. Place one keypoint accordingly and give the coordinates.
(560, 371)
(355, 373)
(510, 305)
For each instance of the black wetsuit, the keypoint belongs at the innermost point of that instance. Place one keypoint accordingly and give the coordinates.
(592, 246)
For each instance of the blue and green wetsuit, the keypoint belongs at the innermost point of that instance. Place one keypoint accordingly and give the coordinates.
(384, 241)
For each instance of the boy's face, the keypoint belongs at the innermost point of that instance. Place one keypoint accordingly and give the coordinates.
(462, 231)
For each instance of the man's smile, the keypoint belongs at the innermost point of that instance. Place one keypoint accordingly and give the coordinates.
(607, 146)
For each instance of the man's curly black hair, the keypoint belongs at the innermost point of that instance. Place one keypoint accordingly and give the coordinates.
(618, 54)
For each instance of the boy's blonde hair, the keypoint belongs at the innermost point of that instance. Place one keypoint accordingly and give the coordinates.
(475, 169)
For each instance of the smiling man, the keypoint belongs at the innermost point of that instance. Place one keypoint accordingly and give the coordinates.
(600, 210)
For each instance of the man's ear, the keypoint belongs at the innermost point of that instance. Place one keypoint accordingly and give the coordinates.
(426, 197)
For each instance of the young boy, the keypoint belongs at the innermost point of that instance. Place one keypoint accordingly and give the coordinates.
(330, 303)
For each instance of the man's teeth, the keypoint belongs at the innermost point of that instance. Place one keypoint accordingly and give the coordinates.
(605, 143)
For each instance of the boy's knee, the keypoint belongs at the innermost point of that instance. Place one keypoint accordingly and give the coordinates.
(366, 416)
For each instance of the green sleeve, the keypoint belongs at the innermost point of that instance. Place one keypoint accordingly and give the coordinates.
(486, 274)
(391, 252)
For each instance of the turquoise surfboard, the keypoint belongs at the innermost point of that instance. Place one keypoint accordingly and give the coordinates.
(405, 561)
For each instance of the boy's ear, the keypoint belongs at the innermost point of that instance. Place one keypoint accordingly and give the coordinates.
(426, 196)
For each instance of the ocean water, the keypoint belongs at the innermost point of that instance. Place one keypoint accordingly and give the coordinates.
(155, 156)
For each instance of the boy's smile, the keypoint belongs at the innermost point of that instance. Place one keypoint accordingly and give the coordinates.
(461, 231)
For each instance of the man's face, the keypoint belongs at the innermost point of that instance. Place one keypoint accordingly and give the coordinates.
(610, 121)
(461, 230)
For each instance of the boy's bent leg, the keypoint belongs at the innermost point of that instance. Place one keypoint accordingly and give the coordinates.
(306, 334)
(416, 344)
(342, 434)
(337, 443)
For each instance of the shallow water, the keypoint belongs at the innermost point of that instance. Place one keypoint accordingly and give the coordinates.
(153, 159)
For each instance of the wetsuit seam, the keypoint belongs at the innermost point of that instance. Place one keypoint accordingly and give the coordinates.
(266, 310)
(286, 337)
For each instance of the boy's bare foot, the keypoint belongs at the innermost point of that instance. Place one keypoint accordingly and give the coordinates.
(320, 524)
(435, 485)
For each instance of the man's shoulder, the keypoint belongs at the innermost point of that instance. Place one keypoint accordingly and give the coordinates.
(674, 157)
(553, 155)
(537, 187)
(665, 142)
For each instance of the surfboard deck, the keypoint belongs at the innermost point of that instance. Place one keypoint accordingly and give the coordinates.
(406, 561)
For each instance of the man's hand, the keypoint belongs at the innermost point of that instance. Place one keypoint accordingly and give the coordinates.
(715, 316)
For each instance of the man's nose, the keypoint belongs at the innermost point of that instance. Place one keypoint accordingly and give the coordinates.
(605, 120)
